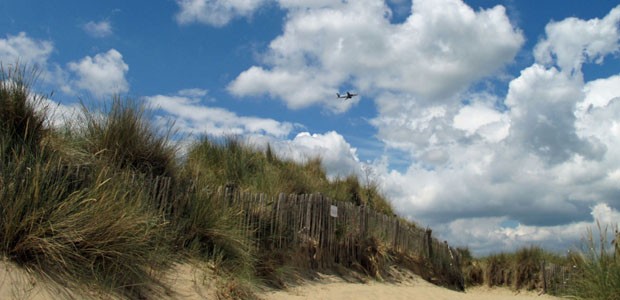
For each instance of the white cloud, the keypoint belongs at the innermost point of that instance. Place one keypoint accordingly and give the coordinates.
(193, 93)
(546, 156)
(338, 157)
(489, 235)
(480, 117)
(600, 92)
(102, 75)
(32, 53)
(215, 12)
(193, 117)
(25, 50)
(571, 42)
(434, 54)
(98, 29)
(542, 103)
(61, 115)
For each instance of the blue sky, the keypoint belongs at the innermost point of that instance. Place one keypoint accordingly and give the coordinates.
(494, 122)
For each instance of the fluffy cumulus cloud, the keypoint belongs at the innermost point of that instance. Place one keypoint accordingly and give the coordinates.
(193, 117)
(572, 42)
(493, 234)
(101, 75)
(433, 54)
(534, 167)
(215, 12)
(98, 29)
(25, 50)
(337, 156)
(481, 118)
(542, 103)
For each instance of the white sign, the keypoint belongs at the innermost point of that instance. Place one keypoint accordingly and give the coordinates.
(333, 211)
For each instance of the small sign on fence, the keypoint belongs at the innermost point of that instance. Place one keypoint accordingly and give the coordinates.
(333, 211)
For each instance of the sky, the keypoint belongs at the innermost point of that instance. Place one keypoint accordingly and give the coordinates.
(494, 122)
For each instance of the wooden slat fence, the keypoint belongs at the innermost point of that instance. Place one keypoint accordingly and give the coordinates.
(335, 232)
(307, 222)
(557, 279)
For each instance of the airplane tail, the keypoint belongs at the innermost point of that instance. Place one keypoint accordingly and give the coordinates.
(338, 95)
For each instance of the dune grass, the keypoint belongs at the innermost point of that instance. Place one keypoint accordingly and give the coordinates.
(123, 136)
(591, 272)
(78, 204)
(210, 230)
(522, 269)
(22, 113)
(100, 237)
(231, 162)
(85, 233)
(596, 268)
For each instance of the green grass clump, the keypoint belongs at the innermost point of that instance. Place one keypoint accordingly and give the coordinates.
(597, 270)
(522, 269)
(473, 274)
(224, 162)
(528, 263)
(22, 113)
(350, 189)
(87, 231)
(233, 163)
(98, 236)
(124, 137)
(498, 270)
(210, 229)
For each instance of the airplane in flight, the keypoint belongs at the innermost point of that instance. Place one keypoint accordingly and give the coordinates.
(347, 96)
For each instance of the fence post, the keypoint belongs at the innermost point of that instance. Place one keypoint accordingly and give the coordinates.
(429, 243)
(544, 275)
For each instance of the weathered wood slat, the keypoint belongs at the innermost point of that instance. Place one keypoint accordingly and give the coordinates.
(298, 221)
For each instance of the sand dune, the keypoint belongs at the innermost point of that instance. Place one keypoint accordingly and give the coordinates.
(188, 283)
(331, 287)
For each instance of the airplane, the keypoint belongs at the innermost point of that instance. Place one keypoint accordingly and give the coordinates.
(347, 96)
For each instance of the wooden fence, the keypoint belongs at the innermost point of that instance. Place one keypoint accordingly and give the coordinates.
(556, 278)
(331, 232)
(338, 232)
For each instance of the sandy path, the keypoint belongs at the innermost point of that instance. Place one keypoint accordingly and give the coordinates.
(416, 288)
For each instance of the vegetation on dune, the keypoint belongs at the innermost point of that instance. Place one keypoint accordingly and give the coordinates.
(592, 272)
(78, 207)
(22, 113)
(123, 137)
(597, 268)
(83, 232)
(233, 163)
(209, 230)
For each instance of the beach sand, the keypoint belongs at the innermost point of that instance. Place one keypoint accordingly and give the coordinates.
(187, 282)
(332, 287)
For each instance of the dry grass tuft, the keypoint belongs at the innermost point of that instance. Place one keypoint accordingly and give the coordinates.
(123, 137)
